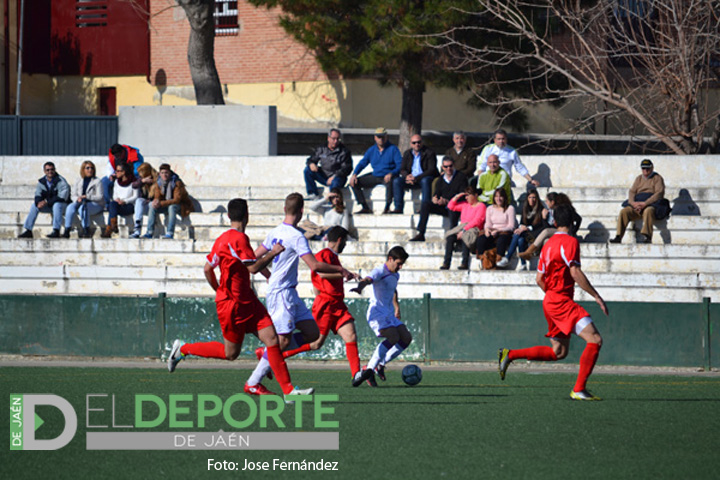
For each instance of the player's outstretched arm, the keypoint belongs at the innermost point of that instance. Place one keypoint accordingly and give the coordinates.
(361, 285)
(210, 276)
(321, 267)
(265, 257)
(579, 276)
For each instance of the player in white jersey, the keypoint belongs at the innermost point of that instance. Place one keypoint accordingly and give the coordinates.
(287, 310)
(383, 313)
(507, 155)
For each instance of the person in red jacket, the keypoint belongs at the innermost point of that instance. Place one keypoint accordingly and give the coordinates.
(119, 154)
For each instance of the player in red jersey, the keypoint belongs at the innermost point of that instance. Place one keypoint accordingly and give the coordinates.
(329, 307)
(238, 308)
(558, 271)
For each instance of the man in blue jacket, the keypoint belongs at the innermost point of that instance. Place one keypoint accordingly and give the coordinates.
(52, 195)
(385, 160)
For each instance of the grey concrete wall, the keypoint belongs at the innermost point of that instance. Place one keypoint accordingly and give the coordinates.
(204, 130)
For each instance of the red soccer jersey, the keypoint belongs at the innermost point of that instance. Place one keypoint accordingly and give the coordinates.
(558, 254)
(230, 250)
(333, 288)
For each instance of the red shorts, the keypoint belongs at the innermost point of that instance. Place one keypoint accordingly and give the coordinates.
(561, 313)
(330, 314)
(237, 319)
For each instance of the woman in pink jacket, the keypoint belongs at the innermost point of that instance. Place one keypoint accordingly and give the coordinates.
(472, 216)
(499, 225)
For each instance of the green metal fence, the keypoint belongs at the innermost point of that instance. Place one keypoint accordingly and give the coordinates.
(643, 334)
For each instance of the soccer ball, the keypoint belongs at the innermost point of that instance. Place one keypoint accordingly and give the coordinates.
(411, 374)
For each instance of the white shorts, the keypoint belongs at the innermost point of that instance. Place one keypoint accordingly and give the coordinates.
(286, 309)
(382, 321)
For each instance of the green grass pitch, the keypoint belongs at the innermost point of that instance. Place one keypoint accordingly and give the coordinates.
(453, 425)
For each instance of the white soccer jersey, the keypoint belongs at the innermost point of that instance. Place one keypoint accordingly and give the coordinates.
(383, 291)
(285, 266)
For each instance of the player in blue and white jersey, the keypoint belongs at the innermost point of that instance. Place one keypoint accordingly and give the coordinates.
(383, 313)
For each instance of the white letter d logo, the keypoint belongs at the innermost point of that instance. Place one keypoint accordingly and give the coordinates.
(30, 401)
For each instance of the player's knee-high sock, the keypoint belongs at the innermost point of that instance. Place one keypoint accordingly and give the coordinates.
(279, 368)
(205, 349)
(587, 363)
(260, 370)
(379, 353)
(290, 353)
(543, 353)
(351, 352)
(396, 350)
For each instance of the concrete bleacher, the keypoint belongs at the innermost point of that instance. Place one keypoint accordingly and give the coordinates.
(681, 265)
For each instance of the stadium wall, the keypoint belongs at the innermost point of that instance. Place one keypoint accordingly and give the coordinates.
(444, 330)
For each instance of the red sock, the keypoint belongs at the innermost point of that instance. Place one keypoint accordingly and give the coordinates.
(587, 363)
(300, 349)
(279, 368)
(545, 354)
(206, 349)
(351, 351)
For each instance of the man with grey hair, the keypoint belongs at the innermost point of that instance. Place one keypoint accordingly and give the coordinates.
(329, 165)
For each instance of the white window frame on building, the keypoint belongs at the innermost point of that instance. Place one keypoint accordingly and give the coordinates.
(226, 17)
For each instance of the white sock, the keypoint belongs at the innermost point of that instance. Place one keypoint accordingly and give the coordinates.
(259, 373)
(391, 354)
(379, 353)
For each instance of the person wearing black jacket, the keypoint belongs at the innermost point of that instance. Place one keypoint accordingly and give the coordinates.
(417, 170)
(328, 166)
(52, 195)
(451, 183)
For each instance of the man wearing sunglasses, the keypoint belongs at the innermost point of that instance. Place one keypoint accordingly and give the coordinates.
(417, 170)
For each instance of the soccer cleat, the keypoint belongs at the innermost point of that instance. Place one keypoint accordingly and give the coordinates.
(258, 389)
(584, 395)
(380, 372)
(175, 355)
(259, 354)
(371, 379)
(297, 391)
(362, 376)
(503, 361)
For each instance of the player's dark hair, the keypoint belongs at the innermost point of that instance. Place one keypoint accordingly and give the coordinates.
(562, 199)
(294, 203)
(563, 215)
(398, 253)
(336, 233)
(237, 210)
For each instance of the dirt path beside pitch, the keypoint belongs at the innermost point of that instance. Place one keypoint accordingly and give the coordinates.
(527, 367)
